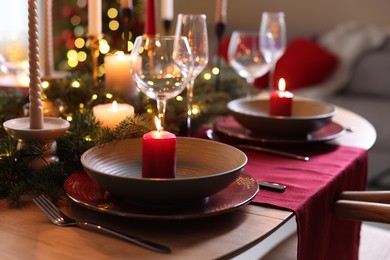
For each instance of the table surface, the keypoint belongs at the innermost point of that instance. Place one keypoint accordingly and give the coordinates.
(27, 233)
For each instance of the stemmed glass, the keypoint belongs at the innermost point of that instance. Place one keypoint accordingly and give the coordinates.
(273, 39)
(193, 26)
(245, 56)
(161, 67)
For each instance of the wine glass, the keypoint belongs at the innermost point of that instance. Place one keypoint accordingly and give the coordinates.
(161, 67)
(245, 56)
(273, 39)
(193, 26)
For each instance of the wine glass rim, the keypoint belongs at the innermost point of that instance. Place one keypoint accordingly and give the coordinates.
(162, 37)
(256, 33)
(192, 15)
(273, 13)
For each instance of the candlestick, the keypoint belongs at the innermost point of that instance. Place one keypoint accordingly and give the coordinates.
(36, 110)
(94, 17)
(49, 66)
(118, 77)
(159, 154)
(110, 115)
(94, 44)
(150, 18)
(126, 17)
(280, 103)
(36, 128)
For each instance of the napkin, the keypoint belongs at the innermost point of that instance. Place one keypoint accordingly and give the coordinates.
(312, 189)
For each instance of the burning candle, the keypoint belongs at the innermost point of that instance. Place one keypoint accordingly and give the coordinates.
(167, 10)
(110, 115)
(150, 18)
(94, 17)
(158, 154)
(118, 75)
(280, 103)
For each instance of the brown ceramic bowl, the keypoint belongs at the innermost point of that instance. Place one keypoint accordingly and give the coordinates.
(307, 115)
(203, 168)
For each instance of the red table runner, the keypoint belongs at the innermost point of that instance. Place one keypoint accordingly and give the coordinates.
(312, 189)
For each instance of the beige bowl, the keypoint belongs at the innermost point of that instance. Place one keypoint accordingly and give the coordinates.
(307, 115)
(203, 168)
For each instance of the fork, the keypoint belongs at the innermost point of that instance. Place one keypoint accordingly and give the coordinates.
(60, 219)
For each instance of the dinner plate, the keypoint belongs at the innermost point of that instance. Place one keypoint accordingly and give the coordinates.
(81, 189)
(228, 127)
(203, 168)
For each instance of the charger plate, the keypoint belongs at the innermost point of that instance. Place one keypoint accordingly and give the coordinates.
(228, 127)
(81, 189)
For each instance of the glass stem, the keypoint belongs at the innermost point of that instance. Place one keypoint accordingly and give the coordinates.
(190, 95)
(271, 76)
(161, 106)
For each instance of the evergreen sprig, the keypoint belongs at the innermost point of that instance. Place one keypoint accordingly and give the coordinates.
(19, 180)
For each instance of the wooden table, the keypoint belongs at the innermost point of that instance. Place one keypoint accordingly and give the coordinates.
(27, 234)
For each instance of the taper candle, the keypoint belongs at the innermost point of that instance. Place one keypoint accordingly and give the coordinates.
(49, 66)
(150, 18)
(167, 10)
(94, 17)
(221, 11)
(36, 110)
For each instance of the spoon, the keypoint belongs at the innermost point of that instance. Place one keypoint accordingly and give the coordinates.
(212, 136)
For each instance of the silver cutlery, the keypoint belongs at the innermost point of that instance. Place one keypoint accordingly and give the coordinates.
(60, 219)
(211, 135)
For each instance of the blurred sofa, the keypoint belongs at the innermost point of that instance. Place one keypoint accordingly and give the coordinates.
(361, 83)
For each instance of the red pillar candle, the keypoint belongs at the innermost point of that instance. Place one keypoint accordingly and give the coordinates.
(150, 17)
(159, 154)
(280, 103)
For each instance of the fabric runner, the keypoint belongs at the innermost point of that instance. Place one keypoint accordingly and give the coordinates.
(312, 188)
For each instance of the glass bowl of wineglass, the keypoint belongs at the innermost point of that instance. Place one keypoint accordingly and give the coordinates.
(245, 56)
(194, 27)
(161, 67)
(273, 40)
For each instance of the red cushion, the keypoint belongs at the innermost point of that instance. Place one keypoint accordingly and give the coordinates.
(304, 63)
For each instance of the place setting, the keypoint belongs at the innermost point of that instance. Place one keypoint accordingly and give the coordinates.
(158, 176)
(275, 116)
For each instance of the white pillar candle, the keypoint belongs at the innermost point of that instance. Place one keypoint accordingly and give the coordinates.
(118, 76)
(167, 10)
(94, 17)
(110, 115)
(127, 4)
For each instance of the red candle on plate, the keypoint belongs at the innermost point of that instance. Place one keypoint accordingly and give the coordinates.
(280, 103)
(159, 154)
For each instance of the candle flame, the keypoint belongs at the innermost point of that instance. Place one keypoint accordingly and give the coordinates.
(114, 106)
(282, 84)
(157, 121)
(120, 55)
